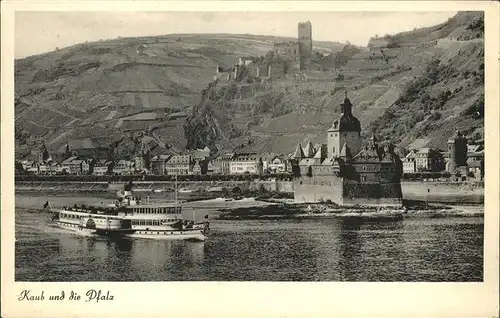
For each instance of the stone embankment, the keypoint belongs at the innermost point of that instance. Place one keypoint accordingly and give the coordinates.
(439, 192)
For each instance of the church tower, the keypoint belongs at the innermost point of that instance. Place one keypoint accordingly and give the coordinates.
(345, 130)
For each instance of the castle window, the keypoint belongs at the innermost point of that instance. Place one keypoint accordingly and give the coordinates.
(364, 168)
(333, 150)
(336, 134)
(363, 178)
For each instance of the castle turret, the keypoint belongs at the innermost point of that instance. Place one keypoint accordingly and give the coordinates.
(346, 129)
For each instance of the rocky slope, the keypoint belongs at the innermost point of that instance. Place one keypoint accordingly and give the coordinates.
(425, 85)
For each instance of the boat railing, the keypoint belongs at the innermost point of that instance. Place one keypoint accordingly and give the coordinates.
(91, 209)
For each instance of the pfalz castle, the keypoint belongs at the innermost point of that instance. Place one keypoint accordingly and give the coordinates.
(344, 172)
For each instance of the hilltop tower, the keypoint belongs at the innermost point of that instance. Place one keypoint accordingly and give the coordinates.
(305, 43)
(345, 130)
(457, 148)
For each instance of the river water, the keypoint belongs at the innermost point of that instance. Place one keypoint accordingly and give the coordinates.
(417, 248)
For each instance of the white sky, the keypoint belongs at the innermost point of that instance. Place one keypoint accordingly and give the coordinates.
(39, 32)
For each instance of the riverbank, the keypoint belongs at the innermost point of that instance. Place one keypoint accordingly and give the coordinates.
(427, 191)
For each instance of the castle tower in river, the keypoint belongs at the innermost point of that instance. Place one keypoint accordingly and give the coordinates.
(343, 172)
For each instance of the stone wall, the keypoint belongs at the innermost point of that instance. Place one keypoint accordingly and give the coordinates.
(317, 189)
(452, 192)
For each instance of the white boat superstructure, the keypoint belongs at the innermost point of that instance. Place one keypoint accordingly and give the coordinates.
(129, 217)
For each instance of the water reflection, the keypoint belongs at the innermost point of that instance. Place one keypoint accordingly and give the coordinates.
(413, 249)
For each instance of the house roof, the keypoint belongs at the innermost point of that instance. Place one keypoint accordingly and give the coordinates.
(69, 160)
(475, 164)
(245, 156)
(475, 154)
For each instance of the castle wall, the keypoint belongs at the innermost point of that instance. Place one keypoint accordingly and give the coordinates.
(318, 189)
(452, 192)
(374, 172)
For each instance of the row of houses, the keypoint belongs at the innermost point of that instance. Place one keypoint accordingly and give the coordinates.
(468, 161)
(198, 162)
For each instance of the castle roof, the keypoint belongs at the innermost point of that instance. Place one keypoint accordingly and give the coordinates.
(369, 153)
(309, 151)
(347, 121)
(319, 153)
(299, 153)
(345, 152)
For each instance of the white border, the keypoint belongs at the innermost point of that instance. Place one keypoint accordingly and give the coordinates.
(213, 299)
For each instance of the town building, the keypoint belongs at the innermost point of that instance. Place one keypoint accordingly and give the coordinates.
(277, 165)
(103, 167)
(409, 164)
(475, 163)
(179, 165)
(32, 167)
(123, 167)
(221, 164)
(159, 164)
(68, 167)
(428, 159)
(245, 163)
(200, 154)
(343, 172)
(200, 166)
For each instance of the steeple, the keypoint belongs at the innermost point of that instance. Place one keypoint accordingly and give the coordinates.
(347, 121)
(346, 107)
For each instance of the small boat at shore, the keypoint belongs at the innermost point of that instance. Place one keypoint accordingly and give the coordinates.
(185, 190)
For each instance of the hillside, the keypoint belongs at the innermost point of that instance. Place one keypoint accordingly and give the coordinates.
(424, 85)
(98, 93)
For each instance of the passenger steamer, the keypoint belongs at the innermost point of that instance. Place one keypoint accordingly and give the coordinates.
(129, 217)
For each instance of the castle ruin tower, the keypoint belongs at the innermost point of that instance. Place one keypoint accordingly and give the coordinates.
(457, 148)
(345, 130)
(305, 43)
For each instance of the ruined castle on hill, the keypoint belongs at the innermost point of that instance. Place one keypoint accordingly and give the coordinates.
(285, 57)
